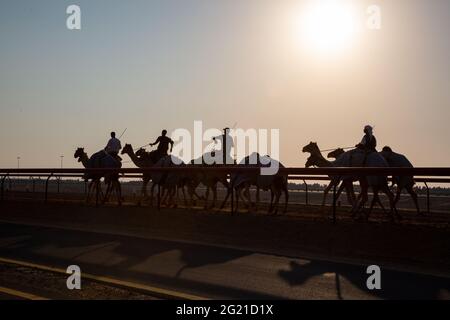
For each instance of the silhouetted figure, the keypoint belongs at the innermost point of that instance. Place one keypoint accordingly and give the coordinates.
(227, 144)
(114, 146)
(163, 143)
(368, 142)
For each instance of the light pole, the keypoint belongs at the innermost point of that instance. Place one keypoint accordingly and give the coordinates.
(62, 159)
(18, 162)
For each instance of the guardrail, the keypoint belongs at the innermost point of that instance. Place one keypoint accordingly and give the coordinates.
(425, 174)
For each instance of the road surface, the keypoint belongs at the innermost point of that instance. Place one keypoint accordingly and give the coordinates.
(208, 271)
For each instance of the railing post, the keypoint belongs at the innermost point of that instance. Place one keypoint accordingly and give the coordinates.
(46, 187)
(306, 193)
(334, 204)
(428, 197)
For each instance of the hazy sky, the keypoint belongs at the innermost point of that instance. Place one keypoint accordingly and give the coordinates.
(153, 64)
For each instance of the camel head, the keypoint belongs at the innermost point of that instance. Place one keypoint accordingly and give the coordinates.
(386, 153)
(127, 149)
(312, 147)
(79, 153)
(336, 153)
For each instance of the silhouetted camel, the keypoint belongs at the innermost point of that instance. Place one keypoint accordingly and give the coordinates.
(103, 161)
(141, 159)
(400, 161)
(276, 184)
(395, 160)
(347, 182)
(209, 179)
(357, 158)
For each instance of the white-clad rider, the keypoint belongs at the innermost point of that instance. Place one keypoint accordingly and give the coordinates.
(114, 146)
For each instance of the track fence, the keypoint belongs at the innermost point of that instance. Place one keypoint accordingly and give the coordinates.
(40, 175)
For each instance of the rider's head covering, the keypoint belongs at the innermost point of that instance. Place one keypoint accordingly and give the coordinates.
(368, 129)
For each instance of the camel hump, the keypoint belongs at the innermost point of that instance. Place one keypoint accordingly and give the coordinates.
(103, 160)
(401, 161)
(375, 159)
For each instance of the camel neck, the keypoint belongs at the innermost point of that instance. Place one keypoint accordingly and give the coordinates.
(85, 160)
(322, 162)
(138, 162)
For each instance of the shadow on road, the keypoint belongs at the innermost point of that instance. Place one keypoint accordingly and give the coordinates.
(394, 285)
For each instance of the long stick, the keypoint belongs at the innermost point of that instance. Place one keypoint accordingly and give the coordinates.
(123, 133)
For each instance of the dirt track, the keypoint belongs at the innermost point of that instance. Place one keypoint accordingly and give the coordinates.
(406, 246)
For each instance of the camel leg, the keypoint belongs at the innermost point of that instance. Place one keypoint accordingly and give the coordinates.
(380, 204)
(108, 191)
(192, 194)
(93, 186)
(277, 192)
(237, 190)
(393, 209)
(143, 191)
(272, 196)
(152, 192)
(241, 194)
(166, 195)
(350, 193)
(325, 192)
(227, 185)
(90, 186)
(184, 196)
(398, 195)
(173, 199)
(351, 190)
(214, 190)
(206, 197)
(257, 198)
(363, 198)
(98, 187)
(413, 194)
(340, 190)
(249, 197)
(175, 196)
(372, 204)
(286, 197)
(118, 191)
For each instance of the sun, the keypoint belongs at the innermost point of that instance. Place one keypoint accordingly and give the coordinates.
(327, 26)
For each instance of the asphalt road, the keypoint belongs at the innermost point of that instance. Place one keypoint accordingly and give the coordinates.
(208, 271)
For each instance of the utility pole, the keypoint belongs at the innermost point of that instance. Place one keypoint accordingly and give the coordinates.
(18, 162)
(62, 159)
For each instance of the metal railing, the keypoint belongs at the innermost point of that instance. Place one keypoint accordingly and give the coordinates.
(423, 175)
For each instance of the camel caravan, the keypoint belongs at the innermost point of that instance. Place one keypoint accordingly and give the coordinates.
(170, 184)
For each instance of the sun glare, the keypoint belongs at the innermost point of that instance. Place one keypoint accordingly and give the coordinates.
(327, 26)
